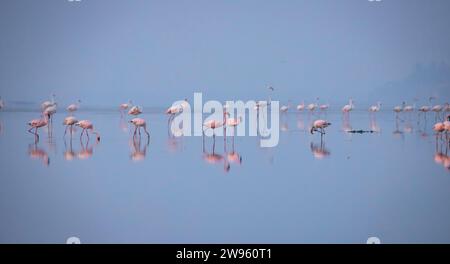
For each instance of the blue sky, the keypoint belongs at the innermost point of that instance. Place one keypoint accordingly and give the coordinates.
(155, 52)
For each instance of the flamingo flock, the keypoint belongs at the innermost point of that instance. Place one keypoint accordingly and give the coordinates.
(49, 108)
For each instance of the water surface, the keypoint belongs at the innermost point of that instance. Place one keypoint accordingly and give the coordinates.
(392, 184)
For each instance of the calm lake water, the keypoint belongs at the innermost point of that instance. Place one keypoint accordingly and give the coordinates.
(392, 184)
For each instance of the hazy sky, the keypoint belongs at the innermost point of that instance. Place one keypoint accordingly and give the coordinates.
(155, 52)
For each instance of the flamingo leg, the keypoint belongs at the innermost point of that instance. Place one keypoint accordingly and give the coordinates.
(81, 136)
(65, 131)
(139, 130)
(30, 131)
(214, 141)
(145, 129)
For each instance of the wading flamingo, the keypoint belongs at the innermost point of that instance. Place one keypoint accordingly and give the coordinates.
(312, 106)
(37, 123)
(375, 108)
(49, 112)
(439, 127)
(285, 108)
(69, 121)
(175, 109)
(446, 107)
(2, 104)
(301, 106)
(409, 108)
(123, 107)
(437, 109)
(213, 124)
(87, 125)
(232, 122)
(398, 108)
(46, 104)
(135, 110)
(324, 107)
(138, 123)
(74, 107)
(319, 126)
(348, 107)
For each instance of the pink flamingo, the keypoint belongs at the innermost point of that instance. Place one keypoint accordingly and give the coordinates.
(285, 108)
(312, 106)
(213, 124)
(319, 126)
(399, 108)
(37, 123)
(87, 125)
(69, 121)
(73, 107)
(138, 123)
(348, 107)
(232, 122)
(437, 109)
(46, 104)
(123, 107)
(324, 107)
(135, 110)
(375, 108)
(301, 106)
(2, 104)
(176, 109)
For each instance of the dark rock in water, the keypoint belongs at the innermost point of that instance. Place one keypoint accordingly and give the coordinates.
(360, 131)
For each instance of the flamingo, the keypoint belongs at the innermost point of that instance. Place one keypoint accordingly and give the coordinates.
(437, 109)
(87, 125)
(409, 108)
(324, 107)
(213, 124)
(319, 126)
(135, 110)
(348, 107)
(49, 112)
(232, 122)
(312, 106)
(285, 108)
(398, 108)
(439, 127)
(73, 107)
(47, 104)
(2, 104)
(138, 123)
(175, 109)
(446, 107)
(123, 107)
(301, 106)
(69, 121)
(375, 108)
(37, 123)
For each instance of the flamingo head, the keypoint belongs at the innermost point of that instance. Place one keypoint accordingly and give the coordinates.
(312, 130)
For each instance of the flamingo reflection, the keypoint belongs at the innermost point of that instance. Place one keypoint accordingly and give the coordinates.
(87, 150)
(319, 151)
(38, 153)
(139, 150)
(69, 154)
